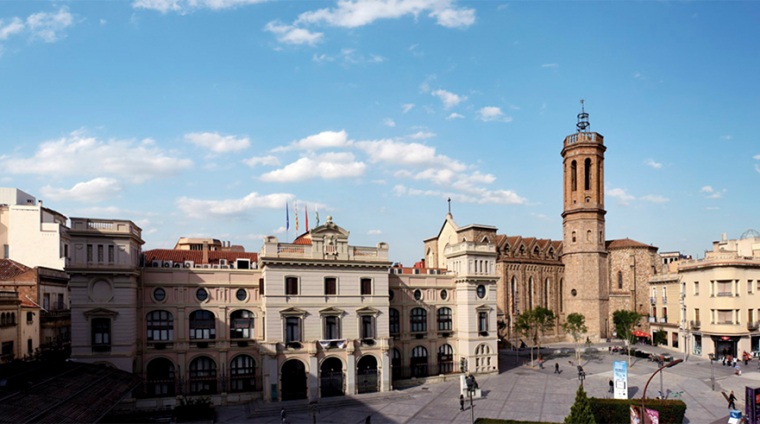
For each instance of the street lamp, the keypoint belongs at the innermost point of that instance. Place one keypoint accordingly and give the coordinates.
(644, 395)
(712, 373)
(581, 374)
(470, 380)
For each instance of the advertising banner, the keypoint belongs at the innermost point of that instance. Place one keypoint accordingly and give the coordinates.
(752, 405)
(651, 417)
(620, 371)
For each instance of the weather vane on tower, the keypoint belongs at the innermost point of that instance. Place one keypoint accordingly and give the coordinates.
(583, 123)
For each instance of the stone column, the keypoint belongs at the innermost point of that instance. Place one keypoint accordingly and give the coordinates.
(313, 378)
(350, 374)
(385, 376)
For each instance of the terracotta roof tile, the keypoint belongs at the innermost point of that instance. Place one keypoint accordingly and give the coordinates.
(10, 269)
(196, 256)
(303, 239)
(626, 242)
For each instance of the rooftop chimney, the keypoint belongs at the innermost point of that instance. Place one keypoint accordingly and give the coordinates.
(723, 237)
(205, 252)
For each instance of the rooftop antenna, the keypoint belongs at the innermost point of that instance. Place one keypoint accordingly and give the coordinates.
(583, 124)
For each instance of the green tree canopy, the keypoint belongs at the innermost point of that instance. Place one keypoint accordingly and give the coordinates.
(580, 412)
(575, 326)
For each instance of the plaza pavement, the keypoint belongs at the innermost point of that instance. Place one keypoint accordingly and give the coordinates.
(522, 393)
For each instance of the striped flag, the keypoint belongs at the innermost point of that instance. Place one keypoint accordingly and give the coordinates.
(306, 212)
(287, 217)
(295, 206)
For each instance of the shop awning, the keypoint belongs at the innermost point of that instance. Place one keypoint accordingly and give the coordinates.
(641, 334)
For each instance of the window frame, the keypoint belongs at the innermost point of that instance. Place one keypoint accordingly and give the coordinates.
(100, 326)
(202, 324)
(444, 320)
(154, 322)
(251, 328)
(326, 283)
(370, 285)
(298, 324)
(245, 294)
(296, 285)
(482, 322)
(394, 320)
(418, 321)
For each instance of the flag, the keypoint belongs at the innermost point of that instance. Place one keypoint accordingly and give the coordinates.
(306, 212)
(287, 217)
(295, 206)
(317, 214)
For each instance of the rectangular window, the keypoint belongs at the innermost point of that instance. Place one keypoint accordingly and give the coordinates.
(331, 286)
(7, 350)
(675, 339)
(6, 251)
(750, 316)
(724, 288)
(444, 319)
(100, 253)
(749, 286)
(332, 330)
(30, 317)
(482, 321)
(29, 349)
(725, 317)
(261, 286)
(368, 328)
(110, 254)
(696, 288)
(291, 286)
(89, 253)
(101, 334)
(292, 329)
(66, 251)
(366, 286)
(46, 301)
(394, 321)
(696, 315)
(60, 301)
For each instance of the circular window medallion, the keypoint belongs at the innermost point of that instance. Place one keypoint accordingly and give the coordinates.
(241, 295)
(444, 295)
(159, 294)
(573, 292)
(417, 295)
(481, 291)
(390, 294)
(201, 295)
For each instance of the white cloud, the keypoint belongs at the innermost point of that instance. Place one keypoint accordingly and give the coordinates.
(713, 194)
(652, 163)
(757, 167)
(93, 191)
(49, 27)
(262, 160)
(413, 154)
(290, 34)
(706, 189)
(493, 113)
(655, 198)
(421, 135)
(15, 26)
(103, 22)
(379, 182)
(186, 6)
(454, 116)
(448, 98)
(325, 166)
(323, 140)
(322, 58)
(726, 137)
(550, 65)
(218, 143)
(352, 14)
(756, 157)
(620, 194)
(498, 197)
(197, 208)
(388, 122)
(409, 106)
(374, 232)
(373, 58)
(80, 154)
(279, 230)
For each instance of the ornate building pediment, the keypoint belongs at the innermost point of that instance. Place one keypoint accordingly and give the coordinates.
(100, 313)
(292, 312)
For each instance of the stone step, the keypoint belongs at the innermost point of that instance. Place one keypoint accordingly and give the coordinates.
(258, 408)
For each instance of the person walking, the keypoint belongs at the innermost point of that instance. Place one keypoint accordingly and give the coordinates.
(724, 360)
(556, 368)
(612, 386)
(461, 402)
(732, 401)
(284, 415)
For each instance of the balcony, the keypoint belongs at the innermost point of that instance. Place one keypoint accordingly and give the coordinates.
(664, 320)
(725, 294)
(652, 319)
(652, 300)
(696, 324)
(752, 325)
(664, 300)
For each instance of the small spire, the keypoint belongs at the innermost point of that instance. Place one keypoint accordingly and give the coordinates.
(583, 125)
(449, 205)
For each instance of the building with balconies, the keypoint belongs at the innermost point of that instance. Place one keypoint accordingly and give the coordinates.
(721, 296)
(665, 306)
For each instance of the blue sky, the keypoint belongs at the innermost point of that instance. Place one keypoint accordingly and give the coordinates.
(204, 117)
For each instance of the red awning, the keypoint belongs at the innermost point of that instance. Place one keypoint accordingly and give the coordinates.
(641, 334)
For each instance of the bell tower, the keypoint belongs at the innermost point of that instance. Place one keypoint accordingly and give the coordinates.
(584, 252)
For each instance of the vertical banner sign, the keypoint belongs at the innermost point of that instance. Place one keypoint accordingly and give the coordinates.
(652, 417)
(752, 405)
(620, 371)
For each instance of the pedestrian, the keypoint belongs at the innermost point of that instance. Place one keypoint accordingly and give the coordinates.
(461, 402)
(556, 368)
(732, 401)
(746, 359)
(738, 369)
(724, 360)
(283, 415)
(612, 386)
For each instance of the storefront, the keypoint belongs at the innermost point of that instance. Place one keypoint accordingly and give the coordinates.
(725, 345)
(697, 344)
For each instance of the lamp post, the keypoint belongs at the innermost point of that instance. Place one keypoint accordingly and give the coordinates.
(644, 395)
(470, 389)
(712, 373)
(581, 374)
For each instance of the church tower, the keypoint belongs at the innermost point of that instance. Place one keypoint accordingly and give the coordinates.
(584, 252)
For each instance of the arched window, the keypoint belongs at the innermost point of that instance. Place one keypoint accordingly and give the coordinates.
(444, 319)
(419, 362)
(202, 376)
(530, 293)
(161, 377)
(242, 374)
(514, 294)
(445, 359)
(202, 325)
(536, 251)
(394, 321)
(483, 358)
(160, 326)
(396, 363)
(546, 293)
(573, 176)
(587, 174)
(620, 280)
(418, 320)
(242, 324)
(573, 236)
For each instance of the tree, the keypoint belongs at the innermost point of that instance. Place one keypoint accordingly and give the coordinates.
(625, 322)
(660, 337)
(576, 327)
(533, 323)
(580, 412)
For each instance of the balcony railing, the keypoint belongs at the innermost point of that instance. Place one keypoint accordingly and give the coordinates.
(663, 320)
(752, 325)
(652, 300)
(696, 324)
(664, 300)
(725, 294)
(652, 319)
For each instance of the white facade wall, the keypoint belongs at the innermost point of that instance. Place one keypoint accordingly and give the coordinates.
(34, 237)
